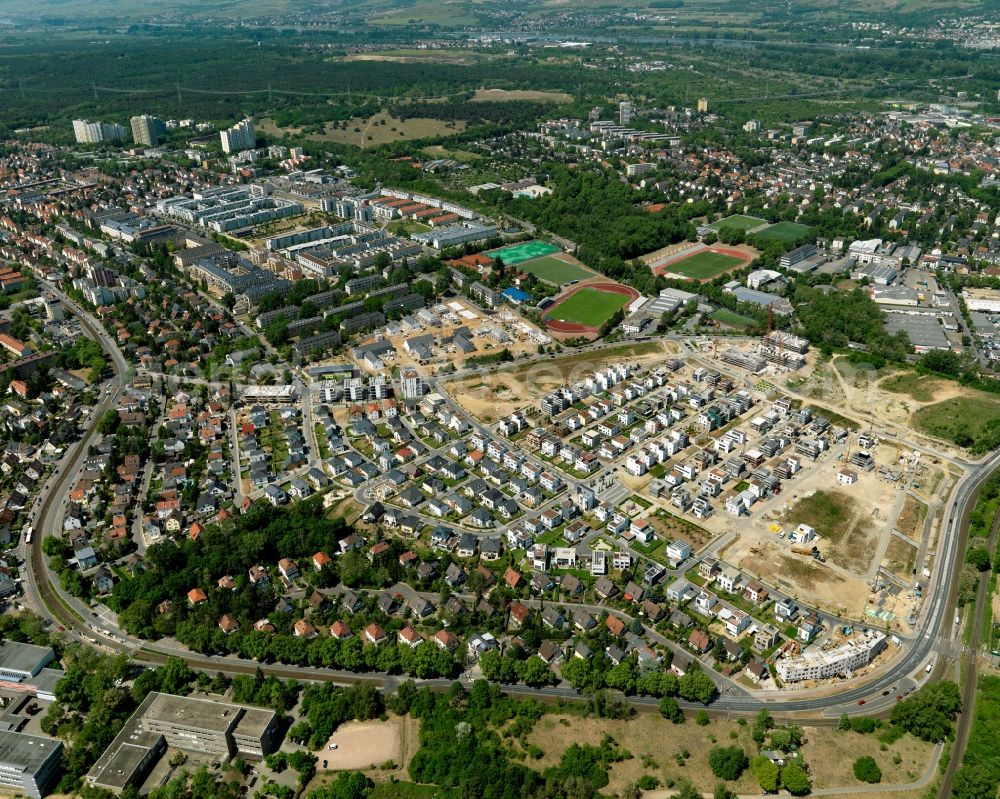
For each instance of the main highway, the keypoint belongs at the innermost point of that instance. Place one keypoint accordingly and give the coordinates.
(933, 631)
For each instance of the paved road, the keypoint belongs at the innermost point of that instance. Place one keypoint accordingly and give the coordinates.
(38, 584)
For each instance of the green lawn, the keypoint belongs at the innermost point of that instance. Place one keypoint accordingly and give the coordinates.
(703, 265)
(834, 417)
(785, 231)
(829, 514)
(590, 307)
(970, 421)
(739, 221)
(554, 270)
(920, 387)
(726, 317)
(408, 790)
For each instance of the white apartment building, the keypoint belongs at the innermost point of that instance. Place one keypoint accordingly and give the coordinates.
(840, 660)
(87, 132)
(240, 136)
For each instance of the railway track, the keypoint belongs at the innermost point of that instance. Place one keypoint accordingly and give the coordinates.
(970, 677)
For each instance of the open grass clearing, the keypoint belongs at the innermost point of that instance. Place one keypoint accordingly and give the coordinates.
(901, 558)
(847, 535)
(727, 317)
(827, 512)
(919, 387)
(382, 128)
(655, 743)
(510, 95)
(969, 421)
(440, 151)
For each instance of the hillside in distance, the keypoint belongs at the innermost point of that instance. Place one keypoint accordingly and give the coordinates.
(461, 13)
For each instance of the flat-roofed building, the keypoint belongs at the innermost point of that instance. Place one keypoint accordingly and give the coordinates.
(218, 729)
(29, 764)
(844, 659)
(19, 662)
(206, 726)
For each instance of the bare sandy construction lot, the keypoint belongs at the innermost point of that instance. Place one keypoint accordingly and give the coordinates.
(459, 313)
(490, 397)
(362, 745)
(851, 524)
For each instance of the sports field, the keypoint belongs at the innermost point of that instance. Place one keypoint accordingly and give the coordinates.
(553, 269)
(739, 221)
(784, 231)
(704, 265)
(519, 253)
(589, 307)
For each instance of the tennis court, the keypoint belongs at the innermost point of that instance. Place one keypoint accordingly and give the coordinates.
(525, 251)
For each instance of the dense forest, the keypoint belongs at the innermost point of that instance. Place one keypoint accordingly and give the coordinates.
(298, 78)
(836, 319)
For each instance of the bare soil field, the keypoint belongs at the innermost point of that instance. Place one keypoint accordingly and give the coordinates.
(363, 745)
(670, 527)
(846, 526)
(507, 95)
(490, 397)
(830, 754)
(912, 517)
(798, 575)
(373, 131)
(900, 558)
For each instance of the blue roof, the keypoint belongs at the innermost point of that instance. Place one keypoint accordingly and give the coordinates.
(516, 294)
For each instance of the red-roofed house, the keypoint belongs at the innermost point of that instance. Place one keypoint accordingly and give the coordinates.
(321, 559)
(228, 624)
(196, 596)
(410, 637)
(340, 631)
(446, 640)
(374, 634)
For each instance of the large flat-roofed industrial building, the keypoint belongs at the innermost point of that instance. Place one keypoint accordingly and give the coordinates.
(19, 662)
(218, 729)
(29, 764)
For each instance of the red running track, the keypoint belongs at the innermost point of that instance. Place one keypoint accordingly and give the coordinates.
(566, 328)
